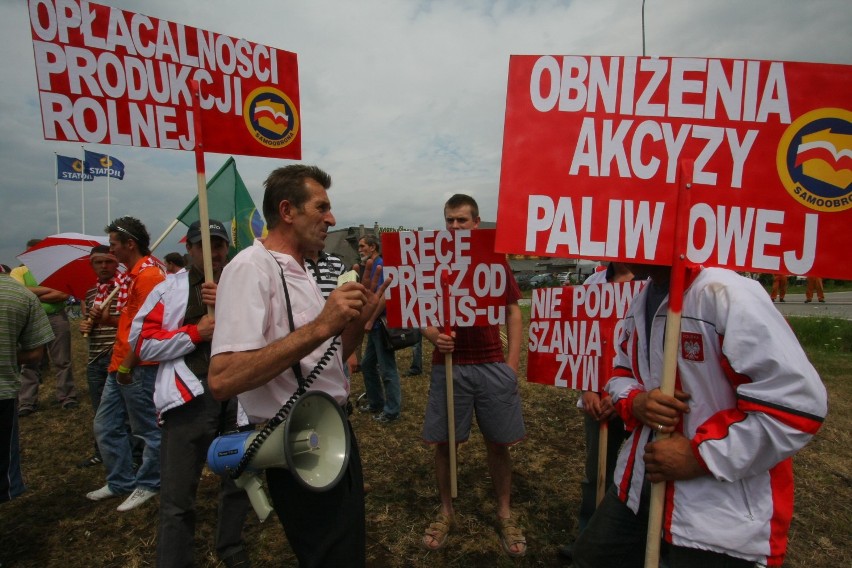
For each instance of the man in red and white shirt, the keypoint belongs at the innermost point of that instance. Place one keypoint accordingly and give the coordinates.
(746, 400)
(173, 328)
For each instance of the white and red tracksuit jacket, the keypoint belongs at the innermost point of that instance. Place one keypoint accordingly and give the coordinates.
(756, 401)
(158, 334)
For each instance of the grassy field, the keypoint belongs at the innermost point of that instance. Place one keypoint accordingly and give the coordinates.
(54, 525)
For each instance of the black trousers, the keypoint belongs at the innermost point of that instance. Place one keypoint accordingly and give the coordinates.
(615, 538)
(187, 432)
(11, 482)
(325, 529)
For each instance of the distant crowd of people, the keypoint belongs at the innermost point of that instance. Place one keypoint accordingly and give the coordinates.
(176, 358)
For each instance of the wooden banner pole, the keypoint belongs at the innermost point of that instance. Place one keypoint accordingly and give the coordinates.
(603, 434)
(451, 407)
(670, 348)
(603, 429)
(203, 211)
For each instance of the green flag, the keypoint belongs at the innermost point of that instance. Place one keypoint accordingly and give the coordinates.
(228, 200)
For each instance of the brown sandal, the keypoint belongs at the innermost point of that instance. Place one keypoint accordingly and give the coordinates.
(511, 535)
(437, 533)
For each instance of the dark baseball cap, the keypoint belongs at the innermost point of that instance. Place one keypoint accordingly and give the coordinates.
(217, 229)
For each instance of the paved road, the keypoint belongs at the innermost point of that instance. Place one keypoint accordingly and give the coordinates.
(837, 305)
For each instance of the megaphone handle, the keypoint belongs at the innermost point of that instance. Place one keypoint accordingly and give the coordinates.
(257, 496)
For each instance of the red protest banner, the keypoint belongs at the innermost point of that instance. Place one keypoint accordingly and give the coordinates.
(592, 144)
(110, 76)
(416, 260)
(573, 331)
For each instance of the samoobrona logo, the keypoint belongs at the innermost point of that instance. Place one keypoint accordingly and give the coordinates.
(271, 117)
(814, 159)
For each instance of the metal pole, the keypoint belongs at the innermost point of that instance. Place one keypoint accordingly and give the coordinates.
(109, 161)
(56, 189)
(83, 192)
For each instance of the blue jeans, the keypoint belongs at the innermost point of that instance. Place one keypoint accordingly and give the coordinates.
(133, 402)
(96, 375)
(378, 359)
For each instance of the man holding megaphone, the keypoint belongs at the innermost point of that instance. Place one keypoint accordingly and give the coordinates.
(277, 336)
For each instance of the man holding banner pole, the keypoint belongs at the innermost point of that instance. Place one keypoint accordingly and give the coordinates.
(747, 399)
(603, 428)
(486, 383)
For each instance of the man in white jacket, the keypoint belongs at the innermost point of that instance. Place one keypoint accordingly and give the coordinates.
(173, 327)
(747, 399)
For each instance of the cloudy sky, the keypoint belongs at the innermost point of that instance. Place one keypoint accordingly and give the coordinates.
(401, 101)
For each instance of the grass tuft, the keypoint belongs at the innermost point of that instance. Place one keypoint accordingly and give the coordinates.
(53, 524)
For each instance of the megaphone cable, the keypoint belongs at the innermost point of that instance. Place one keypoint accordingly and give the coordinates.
(284, 411)
(304, 383)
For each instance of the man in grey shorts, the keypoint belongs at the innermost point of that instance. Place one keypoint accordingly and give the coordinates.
(483, 382)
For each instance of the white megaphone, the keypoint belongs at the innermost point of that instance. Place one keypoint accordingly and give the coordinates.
(313, 443)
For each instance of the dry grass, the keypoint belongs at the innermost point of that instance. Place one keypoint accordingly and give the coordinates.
(54, 525)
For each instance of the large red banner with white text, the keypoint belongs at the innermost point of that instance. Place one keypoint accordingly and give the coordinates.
(477, 278)
(110, 76)
(592, 145)
(573, 331)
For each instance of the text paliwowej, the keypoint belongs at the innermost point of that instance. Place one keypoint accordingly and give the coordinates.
(592, 145)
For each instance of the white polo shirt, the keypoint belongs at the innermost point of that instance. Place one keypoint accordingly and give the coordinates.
(251, 313)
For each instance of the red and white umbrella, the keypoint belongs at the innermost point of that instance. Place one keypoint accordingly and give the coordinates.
(61, 262)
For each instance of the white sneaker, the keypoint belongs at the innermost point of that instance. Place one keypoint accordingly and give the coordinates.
(103, 493)
(139, 496)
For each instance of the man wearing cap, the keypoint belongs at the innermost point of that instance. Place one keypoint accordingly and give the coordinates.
(101, 337)
(129, 390)
(174, 328)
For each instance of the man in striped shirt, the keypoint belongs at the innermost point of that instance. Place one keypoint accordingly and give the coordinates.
(101, 336)
(325, 269)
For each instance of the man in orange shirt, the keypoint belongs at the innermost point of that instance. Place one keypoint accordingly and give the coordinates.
(129, 390)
